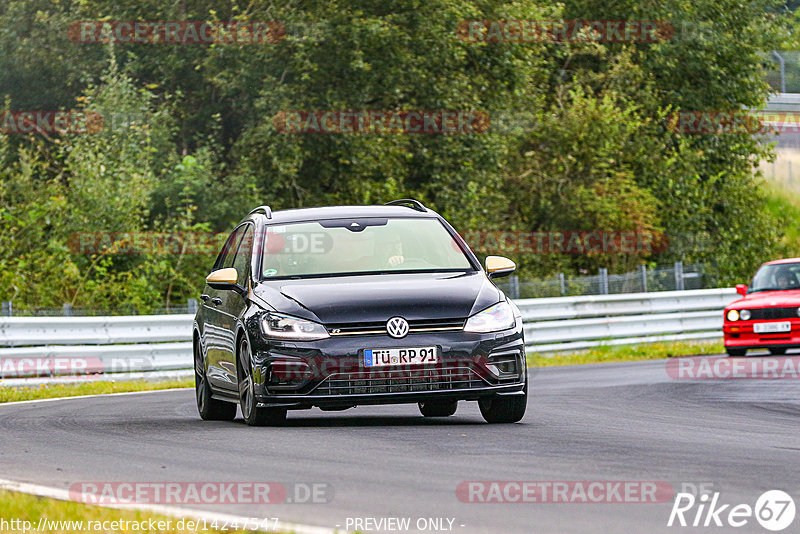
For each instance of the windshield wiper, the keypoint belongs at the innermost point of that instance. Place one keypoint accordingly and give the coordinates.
(771, 289)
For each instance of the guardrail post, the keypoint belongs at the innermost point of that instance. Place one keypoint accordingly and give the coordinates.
(67, 309)
(643, 277)
(562, 283)
(6, 310)
(191, 305)
(513, 286)
(603, 281)
(679, 276)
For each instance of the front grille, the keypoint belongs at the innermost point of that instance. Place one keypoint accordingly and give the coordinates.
(379, 327)
(365, 383)
(761, 314)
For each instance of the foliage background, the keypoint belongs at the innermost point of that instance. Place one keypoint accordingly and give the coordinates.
(190, 145)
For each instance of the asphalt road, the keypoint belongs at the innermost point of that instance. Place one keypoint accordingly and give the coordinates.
(615, 422)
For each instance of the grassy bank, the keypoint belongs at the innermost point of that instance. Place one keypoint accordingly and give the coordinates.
(49, 391)
(628, 353)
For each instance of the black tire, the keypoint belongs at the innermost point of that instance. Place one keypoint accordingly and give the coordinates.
(253, 415)
(504, 408)
(438, 408)
(209, 409)
(777, 351)
(736, 352)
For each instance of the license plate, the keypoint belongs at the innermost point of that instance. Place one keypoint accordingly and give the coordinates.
(765, 328)
(405, 356)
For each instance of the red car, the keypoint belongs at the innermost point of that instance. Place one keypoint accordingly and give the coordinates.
(768, 314)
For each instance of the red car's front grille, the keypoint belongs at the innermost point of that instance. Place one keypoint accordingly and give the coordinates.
(762, 314)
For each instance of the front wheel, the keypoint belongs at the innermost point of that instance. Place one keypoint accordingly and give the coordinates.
(253, 415)
(777, 351)
(209, 409)
(735, 352)
(438, 408)
(504, 408)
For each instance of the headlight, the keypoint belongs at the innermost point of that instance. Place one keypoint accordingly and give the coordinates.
(288, 327)
(733, 315)
(744, 315)
(494, 318)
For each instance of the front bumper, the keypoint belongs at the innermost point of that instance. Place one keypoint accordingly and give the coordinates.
(330, 373)
(740, 335)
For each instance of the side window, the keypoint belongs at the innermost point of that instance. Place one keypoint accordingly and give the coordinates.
(242, 261)
(225, 258)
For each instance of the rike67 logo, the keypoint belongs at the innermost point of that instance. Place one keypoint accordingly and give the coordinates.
(774, 510)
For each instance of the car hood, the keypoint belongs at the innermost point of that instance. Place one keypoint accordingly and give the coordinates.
(767, 299)
(368, 298)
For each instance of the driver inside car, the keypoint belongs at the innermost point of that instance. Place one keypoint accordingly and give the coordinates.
(396, 258)
(785, 279)
(389, 252)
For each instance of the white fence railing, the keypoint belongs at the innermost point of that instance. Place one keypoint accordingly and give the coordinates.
(26, 331)
(569, 323)
(51, 346)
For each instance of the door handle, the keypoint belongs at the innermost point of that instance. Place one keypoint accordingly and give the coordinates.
(217, 301)
(204, 297)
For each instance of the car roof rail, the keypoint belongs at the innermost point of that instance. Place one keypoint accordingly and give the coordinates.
(266, 210)
(409, 203)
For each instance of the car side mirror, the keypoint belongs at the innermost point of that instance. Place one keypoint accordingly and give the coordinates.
(497, 266)
(225, 279)
(741, 289)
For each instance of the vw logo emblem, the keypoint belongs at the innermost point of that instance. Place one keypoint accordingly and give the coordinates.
(397, 327)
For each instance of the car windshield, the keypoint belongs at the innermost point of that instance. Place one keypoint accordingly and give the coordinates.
(776, 277)
(360, 246)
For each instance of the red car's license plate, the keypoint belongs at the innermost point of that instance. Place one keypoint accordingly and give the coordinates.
(771, 328)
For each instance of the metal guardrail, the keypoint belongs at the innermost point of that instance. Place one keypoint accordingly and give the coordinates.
(38, 331)
(570, 323)
(53, 346)
(624, 304)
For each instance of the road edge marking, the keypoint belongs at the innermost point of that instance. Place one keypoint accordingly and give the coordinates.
(92, 396)
(172, 511)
